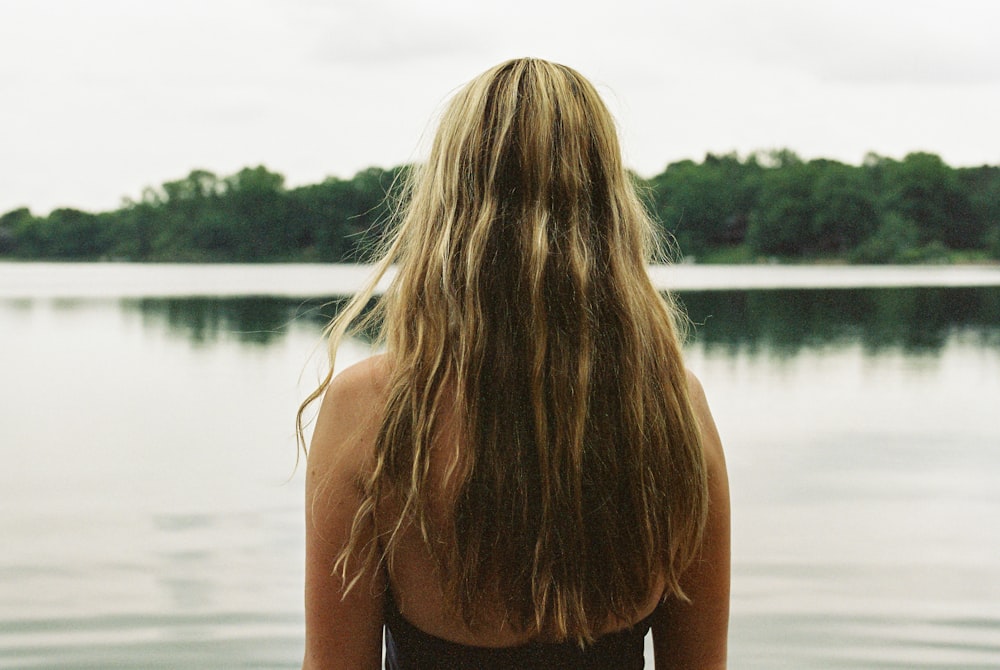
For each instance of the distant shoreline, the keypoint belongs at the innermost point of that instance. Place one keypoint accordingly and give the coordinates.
(727, 209)
(115, 280)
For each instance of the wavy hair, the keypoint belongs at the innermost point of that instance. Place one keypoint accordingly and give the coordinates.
(527, 341)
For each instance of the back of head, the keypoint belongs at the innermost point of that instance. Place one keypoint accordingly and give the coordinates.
(522, 299)
(524, 184)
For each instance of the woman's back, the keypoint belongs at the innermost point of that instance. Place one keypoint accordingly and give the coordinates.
(415, 585)
(425, 631)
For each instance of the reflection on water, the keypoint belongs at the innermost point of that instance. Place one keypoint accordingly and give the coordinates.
(253, 320)
(781, 322)
(147, 520)
(915, 320)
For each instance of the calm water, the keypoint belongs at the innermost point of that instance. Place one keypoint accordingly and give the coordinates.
(150, 518)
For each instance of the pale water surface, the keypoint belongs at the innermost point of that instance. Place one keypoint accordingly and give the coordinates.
(148, 519)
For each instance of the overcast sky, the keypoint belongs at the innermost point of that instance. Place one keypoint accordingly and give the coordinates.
(100, 98)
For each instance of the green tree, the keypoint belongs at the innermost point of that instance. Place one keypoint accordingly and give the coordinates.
(923, 189)
(324, 211)
(894, 241)
(783, 220)
(845, 208)
(13, 225)
(171, 222)
(345, 218)
(705, 205)
(255, 215)
(982, 184)
(74, 234)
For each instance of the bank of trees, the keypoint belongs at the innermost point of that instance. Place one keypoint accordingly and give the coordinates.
(249, 216)
(776, 204)
(763, 206)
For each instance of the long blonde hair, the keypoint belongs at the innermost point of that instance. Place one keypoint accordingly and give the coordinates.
(523, 301)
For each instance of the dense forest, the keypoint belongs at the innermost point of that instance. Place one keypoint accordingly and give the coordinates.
(725, 209)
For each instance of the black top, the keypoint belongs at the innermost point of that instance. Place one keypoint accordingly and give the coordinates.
(409, 648)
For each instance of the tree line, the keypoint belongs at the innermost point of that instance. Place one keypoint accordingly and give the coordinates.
(725, 208)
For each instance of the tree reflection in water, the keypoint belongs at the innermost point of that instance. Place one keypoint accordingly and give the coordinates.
(258, 320)
(776, 322)
(783, 322)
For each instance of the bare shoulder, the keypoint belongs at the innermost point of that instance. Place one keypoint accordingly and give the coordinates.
(695, 390)
(712, 443)
(350, 412)
(364, 381)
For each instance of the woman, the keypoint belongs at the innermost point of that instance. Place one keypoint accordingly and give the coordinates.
(528, 477)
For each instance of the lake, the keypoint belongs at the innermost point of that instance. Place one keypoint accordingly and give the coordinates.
(151, 513)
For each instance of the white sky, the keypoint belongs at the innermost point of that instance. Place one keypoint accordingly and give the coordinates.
(99, 98)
